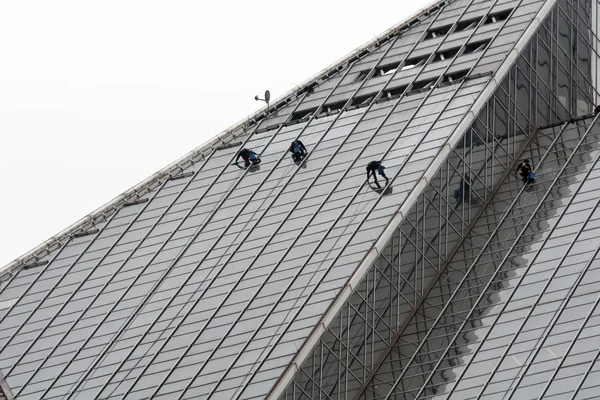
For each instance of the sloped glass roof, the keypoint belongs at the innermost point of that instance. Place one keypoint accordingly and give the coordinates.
(209, 282)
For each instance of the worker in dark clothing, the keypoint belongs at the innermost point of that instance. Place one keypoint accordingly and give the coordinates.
(526, 172)
(249, 157)
(376, 166)
(298, 150)
(464, 190)
(596, 110)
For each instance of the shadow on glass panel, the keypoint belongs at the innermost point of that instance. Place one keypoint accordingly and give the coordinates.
(384, 191)
(253, 168)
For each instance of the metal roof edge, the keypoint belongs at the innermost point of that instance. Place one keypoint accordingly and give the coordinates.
(236, 130)
(5, 389)
(381, 242)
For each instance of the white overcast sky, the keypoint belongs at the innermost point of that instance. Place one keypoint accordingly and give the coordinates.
(96, 96)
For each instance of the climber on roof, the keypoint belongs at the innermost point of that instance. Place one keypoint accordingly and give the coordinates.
(526, 171)
(298, 150)
(249, 157)
(376, 166)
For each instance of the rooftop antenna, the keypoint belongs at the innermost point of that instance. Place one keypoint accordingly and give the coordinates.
(266, 99)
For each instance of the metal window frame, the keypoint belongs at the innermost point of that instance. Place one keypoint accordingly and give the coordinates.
(166, 272)
(508, 253)
(323, 135)
(92, 270)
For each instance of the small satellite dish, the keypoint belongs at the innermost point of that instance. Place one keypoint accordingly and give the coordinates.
(267, 96)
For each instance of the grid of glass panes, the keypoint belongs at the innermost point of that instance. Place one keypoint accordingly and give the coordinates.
(362, 329)
(416, 379)
(450, 313)
(131, 309)
(91, 322)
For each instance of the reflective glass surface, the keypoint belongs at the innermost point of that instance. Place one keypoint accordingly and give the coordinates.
(211, 284)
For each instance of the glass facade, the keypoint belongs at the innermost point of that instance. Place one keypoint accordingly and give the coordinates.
(384, 342)
(211, 280)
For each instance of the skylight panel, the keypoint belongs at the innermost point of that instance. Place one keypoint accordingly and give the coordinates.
(438, 32)
(395, 91)
(298, 115)
(362, 75)
(468, 24)
(456, 75)
(423, 84)
(447, 54)
(477, 46)
(334, 106)
(498, 16)
(414, 62)
(361, 100)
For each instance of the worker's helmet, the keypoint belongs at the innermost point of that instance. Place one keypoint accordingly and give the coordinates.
(526, 160)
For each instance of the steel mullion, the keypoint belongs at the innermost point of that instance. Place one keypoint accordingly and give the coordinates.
(530, 264)
(49, 291)
(61, 308)
(400, 277)
(40, 273)
(577, 31)
(540, 295)
(417, 250)
(348, 347)
(365, 319)
(293, 208)
(116, 272)
(572, 343)
(342, 352)
(587, 373)
(58, 251)
(165, 273)
(559, 63)
(461, 283)
(383, 278)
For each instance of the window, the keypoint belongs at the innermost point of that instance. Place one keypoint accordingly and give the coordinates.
(498, 16)
(468, 24)
(298, 115)
(445, 55)
(414, 62)
(362, 75)
(386, 69)
(334, 106)
(456, 76)
(357, 101)
(423, 84)
(396, 91)
(437, 32)
(477, 46)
